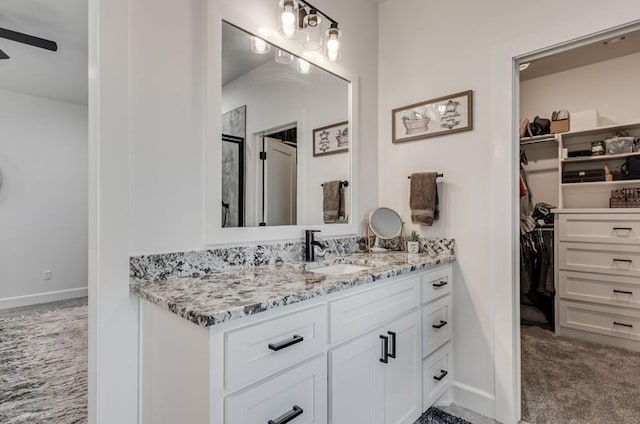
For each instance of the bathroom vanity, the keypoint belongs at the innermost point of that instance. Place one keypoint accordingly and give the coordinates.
(358, 338)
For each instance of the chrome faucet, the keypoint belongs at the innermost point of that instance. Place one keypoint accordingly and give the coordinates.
(309, 245)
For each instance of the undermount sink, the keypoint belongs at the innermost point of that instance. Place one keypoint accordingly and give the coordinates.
(339, 269)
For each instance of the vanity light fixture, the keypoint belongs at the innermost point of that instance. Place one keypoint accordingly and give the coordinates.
(301, 16)
(303, 66)
(283, 57)
(259, 46)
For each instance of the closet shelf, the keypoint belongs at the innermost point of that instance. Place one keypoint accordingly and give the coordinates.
(538, 139)
(599, 158)
(602, 183)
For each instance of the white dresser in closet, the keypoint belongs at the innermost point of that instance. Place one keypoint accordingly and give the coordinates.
(598, 275)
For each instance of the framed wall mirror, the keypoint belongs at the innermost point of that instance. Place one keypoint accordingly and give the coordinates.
(285, 144)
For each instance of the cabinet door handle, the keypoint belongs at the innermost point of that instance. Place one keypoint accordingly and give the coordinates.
(440, 284)
(622, 260)
(287, 416)
(442, 324)
(442, 375)
(384, 358)
(392, 354)
(285, 343)
(622, 229)
(622, 324)
(622, 291)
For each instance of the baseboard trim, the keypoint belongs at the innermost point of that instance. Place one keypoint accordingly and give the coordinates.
(34, 299)
(474, 399)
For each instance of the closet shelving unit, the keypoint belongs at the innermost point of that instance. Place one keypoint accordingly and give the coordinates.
(592, 195)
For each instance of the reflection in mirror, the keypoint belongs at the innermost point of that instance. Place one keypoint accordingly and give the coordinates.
(285, 137)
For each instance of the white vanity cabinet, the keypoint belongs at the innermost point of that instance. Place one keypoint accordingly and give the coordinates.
(374, 354)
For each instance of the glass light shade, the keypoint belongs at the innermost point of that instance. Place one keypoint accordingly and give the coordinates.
(303, 66)
(333, 43)
(283, 57)
(313, 31)
(259, 46)
(288, 15)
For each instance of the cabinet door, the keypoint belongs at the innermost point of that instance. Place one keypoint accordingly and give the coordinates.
(403, 377)
(357, 381)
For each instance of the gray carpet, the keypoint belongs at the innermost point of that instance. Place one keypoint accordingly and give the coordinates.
(43, 364)
(565, 381)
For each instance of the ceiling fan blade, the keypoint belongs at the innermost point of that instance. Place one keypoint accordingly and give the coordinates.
(3, 55)
(28, 39)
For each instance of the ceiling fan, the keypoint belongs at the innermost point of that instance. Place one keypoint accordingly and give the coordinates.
(26, 39)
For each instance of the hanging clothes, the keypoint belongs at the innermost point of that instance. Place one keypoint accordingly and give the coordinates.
(537, 286)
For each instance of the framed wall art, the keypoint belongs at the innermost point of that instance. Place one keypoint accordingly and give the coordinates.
(431, 118)
(331, 139)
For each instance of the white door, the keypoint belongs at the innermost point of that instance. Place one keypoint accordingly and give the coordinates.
(280, 170)
(357, 381)
(403, 374)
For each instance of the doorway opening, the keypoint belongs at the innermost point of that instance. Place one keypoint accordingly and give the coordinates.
(578, 292)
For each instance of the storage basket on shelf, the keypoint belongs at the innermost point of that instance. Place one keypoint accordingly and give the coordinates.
(625, 198)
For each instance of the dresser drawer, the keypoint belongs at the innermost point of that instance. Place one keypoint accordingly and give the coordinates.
(600, 258)
(353, 315)
(436, 325)
(436, 376)
(260, 350)
(300, 393)
(606, 320)
(600, 228)
(600, 288)
(436, 284)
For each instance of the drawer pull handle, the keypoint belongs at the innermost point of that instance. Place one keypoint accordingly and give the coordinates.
(392, 354)
(440, 284)
(442, 375)
(622, 229)
(622, 324)
(438, 326)
(286, 417)
(622, 291)
(384, 358)
(285, 343)
(629, 261)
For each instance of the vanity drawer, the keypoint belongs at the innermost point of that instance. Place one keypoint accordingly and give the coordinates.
(600, 258)
(263, 349)
(600, 288)
(600, 228)
(436, 377)
(436, 325)
(606, 320)
(436, 284)
(355, 314)
(300, 392)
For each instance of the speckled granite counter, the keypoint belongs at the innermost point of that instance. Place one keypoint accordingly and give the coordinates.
(231, 294)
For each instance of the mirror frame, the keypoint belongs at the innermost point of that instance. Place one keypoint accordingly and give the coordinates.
(217, 12)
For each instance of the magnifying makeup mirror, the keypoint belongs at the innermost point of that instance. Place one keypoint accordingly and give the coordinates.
(384, 223)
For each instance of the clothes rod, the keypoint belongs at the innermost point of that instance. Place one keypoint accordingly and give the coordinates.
(437, 176)
(342, 183)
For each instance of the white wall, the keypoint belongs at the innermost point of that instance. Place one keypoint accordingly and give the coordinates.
(167, 111)
(277, 95)
(430, 49)
(43, 199)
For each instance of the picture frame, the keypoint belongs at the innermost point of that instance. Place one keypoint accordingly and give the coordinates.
(331, 139)
(431, 118)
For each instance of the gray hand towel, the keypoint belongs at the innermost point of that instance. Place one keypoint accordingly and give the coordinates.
(423, 199)
(332, 201)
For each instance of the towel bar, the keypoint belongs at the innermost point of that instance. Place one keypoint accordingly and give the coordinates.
(437, 176)
(343, 183)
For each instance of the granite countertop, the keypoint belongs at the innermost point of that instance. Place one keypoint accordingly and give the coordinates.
(218, 297)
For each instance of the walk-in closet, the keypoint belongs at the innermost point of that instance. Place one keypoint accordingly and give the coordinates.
(580, 234)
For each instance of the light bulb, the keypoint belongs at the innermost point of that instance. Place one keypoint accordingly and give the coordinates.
(332, 55)
(259, 46)
(333, 44)
(288, 18)
(303, 66)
